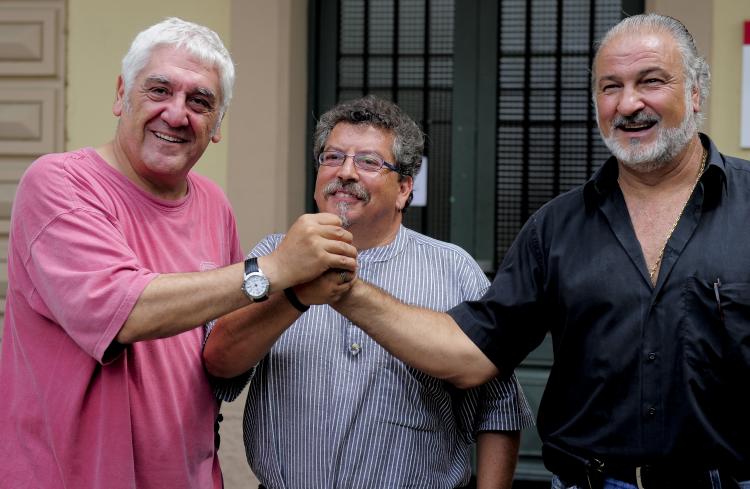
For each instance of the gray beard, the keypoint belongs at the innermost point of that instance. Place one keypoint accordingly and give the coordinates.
(669, 143)
(343, 208)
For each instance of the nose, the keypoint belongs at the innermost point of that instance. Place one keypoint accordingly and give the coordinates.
(630, 101)
(175, 112)
(347, 171)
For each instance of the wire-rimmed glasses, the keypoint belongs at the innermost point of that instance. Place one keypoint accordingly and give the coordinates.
(363, 161)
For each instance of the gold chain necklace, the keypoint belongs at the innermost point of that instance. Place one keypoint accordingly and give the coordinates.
(652, 271)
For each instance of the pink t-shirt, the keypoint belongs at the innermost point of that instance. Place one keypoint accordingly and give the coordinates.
(84, 243)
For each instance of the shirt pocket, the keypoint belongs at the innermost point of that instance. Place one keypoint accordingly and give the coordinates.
(715, 332)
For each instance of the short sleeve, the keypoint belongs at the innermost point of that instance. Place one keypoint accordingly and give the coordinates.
(502, 406)
(508, 322)
(499, 404)
(86, 278)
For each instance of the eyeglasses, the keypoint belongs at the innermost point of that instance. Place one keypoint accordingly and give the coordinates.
(363, 161)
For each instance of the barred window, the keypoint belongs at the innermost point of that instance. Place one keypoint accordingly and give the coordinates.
(545, 136)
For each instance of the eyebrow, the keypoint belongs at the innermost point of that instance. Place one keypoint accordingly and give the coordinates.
(157, 79)
(363, 152)
(164, 80)
(206, 93)
(641, 74)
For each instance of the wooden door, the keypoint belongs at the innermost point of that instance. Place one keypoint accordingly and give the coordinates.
(32, 79)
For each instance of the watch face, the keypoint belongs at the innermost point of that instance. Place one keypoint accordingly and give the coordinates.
(256, 285)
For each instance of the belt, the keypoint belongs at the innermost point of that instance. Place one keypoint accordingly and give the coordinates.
(650, 476)
(591, 472)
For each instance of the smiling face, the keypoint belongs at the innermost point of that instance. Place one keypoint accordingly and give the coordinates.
(166, 120)
(645, 112)
(371, 201)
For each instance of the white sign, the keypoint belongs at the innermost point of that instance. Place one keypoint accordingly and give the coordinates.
(420, 186)
(745, 106)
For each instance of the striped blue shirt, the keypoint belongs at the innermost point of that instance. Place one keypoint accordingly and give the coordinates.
(330, 408)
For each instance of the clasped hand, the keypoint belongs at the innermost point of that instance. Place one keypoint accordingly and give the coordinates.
(316, 257)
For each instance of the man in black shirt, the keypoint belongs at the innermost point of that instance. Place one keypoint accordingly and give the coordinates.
(642, 277)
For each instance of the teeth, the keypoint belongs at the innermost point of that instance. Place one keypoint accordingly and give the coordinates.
(634, 127)
(166, 137)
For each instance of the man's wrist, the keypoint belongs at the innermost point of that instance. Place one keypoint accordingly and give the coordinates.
(268, 265)
(350, 296)
(255, 283)
(294, 300)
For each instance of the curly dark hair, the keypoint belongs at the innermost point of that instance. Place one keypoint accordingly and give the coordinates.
(408, 142)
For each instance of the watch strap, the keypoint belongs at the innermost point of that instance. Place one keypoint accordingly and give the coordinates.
(251, 265)
(294, 300)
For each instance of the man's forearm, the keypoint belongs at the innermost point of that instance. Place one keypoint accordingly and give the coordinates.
(497, 456)
(176, 302)
(427, 340)
(242, 338)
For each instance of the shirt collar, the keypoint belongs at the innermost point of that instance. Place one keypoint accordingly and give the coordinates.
(388, 251)
(604, 180)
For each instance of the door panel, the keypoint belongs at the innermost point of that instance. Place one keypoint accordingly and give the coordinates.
(32, 79)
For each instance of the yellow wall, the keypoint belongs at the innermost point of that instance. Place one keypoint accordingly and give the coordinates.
(726, 71)
(99, 35)
(698, 19)
(718, 30)
(267, 140)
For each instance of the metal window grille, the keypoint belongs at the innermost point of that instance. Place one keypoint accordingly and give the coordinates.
(547, 138)
(402, 50)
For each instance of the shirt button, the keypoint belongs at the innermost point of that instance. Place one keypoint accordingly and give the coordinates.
(355, 348)
(652, 356)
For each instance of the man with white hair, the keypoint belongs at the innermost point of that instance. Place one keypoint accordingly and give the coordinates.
(117, 255)
(641, 277)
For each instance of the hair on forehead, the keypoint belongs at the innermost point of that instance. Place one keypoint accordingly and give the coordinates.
(695, 68)
(198, 41)
(379, 113)
(408, 139)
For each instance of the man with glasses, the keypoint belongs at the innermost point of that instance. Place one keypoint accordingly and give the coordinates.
(329, 407)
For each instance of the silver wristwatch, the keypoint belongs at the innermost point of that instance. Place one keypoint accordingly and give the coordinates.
(255, 285)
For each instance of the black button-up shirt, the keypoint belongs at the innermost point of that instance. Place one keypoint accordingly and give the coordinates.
(641, 374)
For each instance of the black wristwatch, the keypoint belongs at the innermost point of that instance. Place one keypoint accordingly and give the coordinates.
(255, 285)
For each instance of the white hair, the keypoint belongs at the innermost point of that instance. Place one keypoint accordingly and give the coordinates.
(201, 42)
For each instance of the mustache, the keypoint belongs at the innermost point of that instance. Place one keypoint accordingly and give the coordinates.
(638, 118)
(354, 188)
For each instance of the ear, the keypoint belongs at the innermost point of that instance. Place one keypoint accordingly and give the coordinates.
(117, 107)
(695, 96)
(217, 135)
(406, 185)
